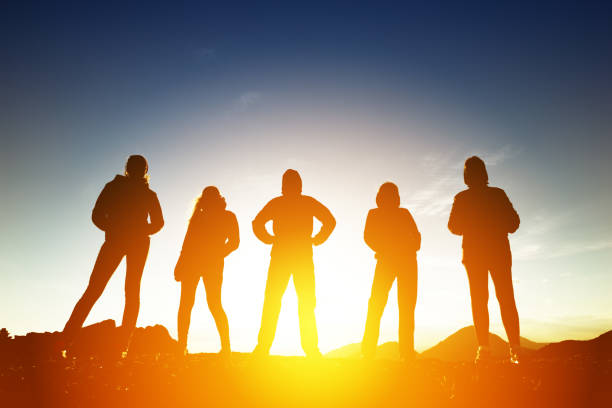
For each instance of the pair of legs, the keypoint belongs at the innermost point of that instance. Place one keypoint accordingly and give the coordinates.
(385, 274)
(110, 255)
(281, 269)
(213, 279)
(478, 276)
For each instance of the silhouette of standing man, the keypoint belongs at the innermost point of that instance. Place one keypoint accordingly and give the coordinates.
(292, 225)
(122, 211)
(391, 232)
(485, 216)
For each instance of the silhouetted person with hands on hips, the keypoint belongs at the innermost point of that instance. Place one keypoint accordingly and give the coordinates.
(211, 236)
(128, 212)
(292, 224)
(391, 232)
(484, 216)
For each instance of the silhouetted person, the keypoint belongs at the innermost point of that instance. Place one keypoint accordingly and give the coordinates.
(292, 225)
(485, 216)
(391, 232)
(211, 236)
(128, 212)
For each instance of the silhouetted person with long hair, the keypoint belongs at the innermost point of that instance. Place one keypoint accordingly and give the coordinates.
(484, 216)
(211, 236)
(128, 212)
(391, 232)
(292, 224)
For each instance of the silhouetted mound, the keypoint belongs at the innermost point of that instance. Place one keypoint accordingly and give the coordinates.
(101, 339)
(152, 340)
(458, 347)
(31, 347)
(461, 347)
(599, 348)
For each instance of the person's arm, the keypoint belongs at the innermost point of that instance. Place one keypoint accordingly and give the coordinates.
(259, 224)
(512, 217)
(328, 222)
(233, 236)
(99, 214)
(156, 216)
(414, 231)
(454, 221)
(369, 232)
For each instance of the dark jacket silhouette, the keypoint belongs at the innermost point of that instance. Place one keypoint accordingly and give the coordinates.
(128, 211)
(123, 209)
(211, 236)
(484, 216)
(392, 234)
(292, 225)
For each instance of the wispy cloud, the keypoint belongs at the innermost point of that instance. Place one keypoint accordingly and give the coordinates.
(437, 198)
(248, 99)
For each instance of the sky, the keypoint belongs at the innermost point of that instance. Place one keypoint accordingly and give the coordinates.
(350, 95)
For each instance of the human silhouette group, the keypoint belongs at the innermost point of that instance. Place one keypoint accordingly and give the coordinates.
(128, 212)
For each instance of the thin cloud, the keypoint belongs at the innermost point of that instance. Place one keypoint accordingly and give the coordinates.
(248, 99)
(437, 198)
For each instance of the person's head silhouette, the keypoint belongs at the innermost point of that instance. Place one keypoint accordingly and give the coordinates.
(211, 200)
(136, 167)
(388, 196)
(475, 172)
(292, 183)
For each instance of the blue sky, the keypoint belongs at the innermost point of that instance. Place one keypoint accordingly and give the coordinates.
(351, 95)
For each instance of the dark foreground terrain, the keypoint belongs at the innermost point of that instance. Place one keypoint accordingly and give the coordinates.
(206, 380)
(94, 373)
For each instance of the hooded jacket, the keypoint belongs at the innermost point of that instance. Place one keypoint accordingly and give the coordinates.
(484, 216)
(124, 207)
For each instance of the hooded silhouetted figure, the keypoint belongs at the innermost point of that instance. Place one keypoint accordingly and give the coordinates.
(391, 232)
(292, 240)
(128, 212)
(484, 216)
(211, 236)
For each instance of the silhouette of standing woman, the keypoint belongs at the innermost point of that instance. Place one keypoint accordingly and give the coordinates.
(292, 223)
(128, 211)
(392, 233)
(211, 236)
(485, 216)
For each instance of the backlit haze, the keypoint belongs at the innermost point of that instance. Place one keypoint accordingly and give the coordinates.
(351, 97)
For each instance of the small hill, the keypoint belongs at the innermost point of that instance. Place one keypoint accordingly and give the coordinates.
(458, 347)
(599, 348)
(461, 346)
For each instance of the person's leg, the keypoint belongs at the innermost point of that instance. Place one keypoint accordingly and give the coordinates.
(135, 262)
(304, 282)
(407, 282)
(189, 285)
(504, 291)
(213, 280)
(478, 277)
(108, 259)
(278, 278)
(383, 280)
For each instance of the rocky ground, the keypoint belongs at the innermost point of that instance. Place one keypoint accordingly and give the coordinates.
(208, 380)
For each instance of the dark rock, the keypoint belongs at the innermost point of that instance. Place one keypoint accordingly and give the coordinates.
(152, 340)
